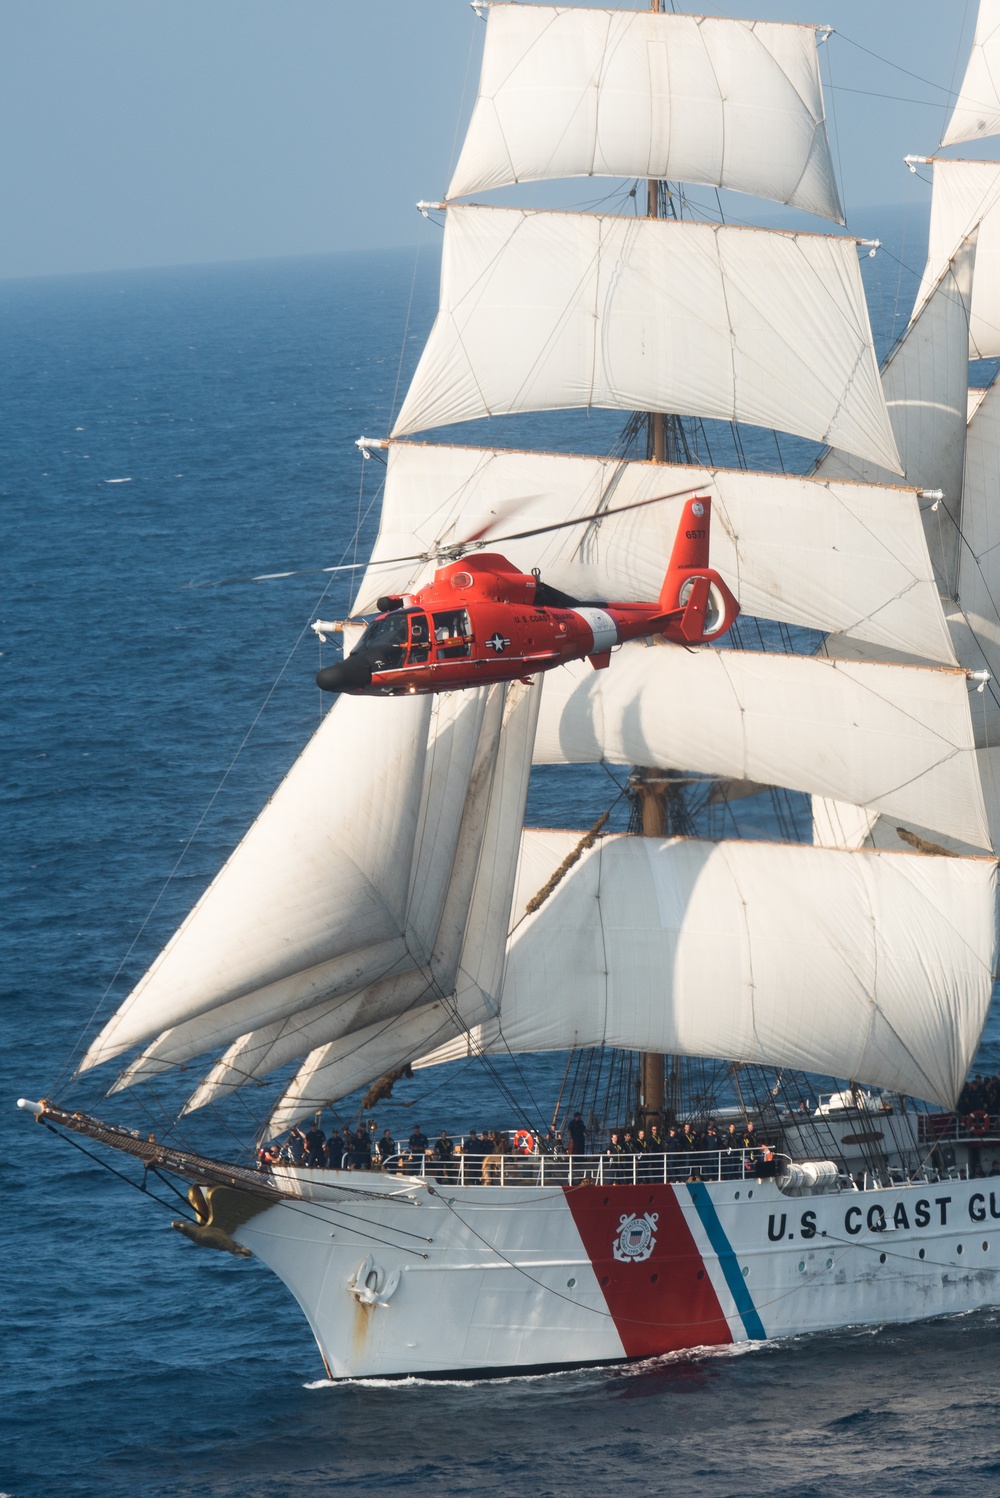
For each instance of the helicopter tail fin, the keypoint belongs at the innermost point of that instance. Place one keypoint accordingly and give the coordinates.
(695, 602)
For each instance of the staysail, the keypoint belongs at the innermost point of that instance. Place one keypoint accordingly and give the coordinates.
(966, 197)
(977, 109)
(335, 1070)
(926, 382)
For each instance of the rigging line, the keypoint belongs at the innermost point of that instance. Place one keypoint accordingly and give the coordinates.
(152, 1170)
(836, 125)
(890, 64)
(871, 93)
(294, 1201)
(74, 1051)
(393, 412)
(293, 1205)
(105, 1166)
(955, 65)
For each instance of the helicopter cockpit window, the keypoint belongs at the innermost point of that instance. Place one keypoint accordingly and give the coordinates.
(452, 634)
(385, 641)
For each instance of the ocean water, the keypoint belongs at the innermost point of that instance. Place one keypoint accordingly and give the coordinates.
(170, 427)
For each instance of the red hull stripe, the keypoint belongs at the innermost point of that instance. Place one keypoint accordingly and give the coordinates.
(648, 1267)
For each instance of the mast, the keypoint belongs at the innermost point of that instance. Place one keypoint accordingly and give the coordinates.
(650, 786)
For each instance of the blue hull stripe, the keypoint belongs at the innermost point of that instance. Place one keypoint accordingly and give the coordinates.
(738, 1288)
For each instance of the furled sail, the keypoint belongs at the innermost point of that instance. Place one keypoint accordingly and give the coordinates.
(966, 195)
(896, 739)
(977, 109)
(335, 1070)
(926, 383)
(575, 93)
(546, 311)
(874, 967)
(843, 558)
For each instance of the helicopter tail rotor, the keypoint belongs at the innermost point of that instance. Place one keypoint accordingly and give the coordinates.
(694, 597)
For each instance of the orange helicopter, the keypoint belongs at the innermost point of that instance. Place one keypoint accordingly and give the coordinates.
(481, 620)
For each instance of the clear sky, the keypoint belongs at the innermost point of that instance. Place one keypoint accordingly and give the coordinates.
(162, 132)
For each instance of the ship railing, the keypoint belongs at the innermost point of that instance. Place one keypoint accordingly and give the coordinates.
(514, 1169)
(977, 1127)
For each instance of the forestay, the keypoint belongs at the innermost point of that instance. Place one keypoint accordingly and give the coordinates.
(895, 739)
(726, 103)
(838, 557)
(977, 109)
(874, 967)
(545, 311)
(967, 194)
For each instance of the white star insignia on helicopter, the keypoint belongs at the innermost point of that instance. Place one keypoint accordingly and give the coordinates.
(498, 643)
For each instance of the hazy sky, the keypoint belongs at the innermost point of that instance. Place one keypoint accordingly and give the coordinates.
(158, 132)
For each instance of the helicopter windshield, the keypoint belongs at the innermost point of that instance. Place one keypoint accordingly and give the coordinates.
(385, 641)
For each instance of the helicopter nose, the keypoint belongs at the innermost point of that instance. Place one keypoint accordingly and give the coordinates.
(346, 676)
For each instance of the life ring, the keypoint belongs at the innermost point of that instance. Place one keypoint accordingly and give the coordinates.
(979, 1122)
(524, 1144)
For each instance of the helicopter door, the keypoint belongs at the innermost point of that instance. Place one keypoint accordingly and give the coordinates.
(420, 640)
(452, 635)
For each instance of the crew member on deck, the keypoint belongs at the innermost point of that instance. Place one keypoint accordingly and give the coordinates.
(315, 1142)
(577, 1131)
(444, 1149)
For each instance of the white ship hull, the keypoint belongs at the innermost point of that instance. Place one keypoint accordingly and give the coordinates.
(483, 1279)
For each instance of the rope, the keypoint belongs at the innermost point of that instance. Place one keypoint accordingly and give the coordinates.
(587, 841)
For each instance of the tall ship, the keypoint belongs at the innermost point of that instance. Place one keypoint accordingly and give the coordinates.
(789, 1023)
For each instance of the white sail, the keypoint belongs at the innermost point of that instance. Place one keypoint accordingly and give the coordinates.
(966, 195)
(895, 739)
(840, 824)
(977, 109)
(333, 1071)
(546, 311)
(926, 382)
(262, 1050)
(979, 570)
(460, 723)
(867, 966)
(839, 557)
(573, 92)
(324, 872)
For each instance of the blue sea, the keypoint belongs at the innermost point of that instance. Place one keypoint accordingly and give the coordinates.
(170, 427)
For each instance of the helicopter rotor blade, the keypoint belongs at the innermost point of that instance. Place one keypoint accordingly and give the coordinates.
(561, 525)
(455, 548)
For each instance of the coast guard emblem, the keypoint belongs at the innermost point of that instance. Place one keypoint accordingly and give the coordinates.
(636, 1239)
